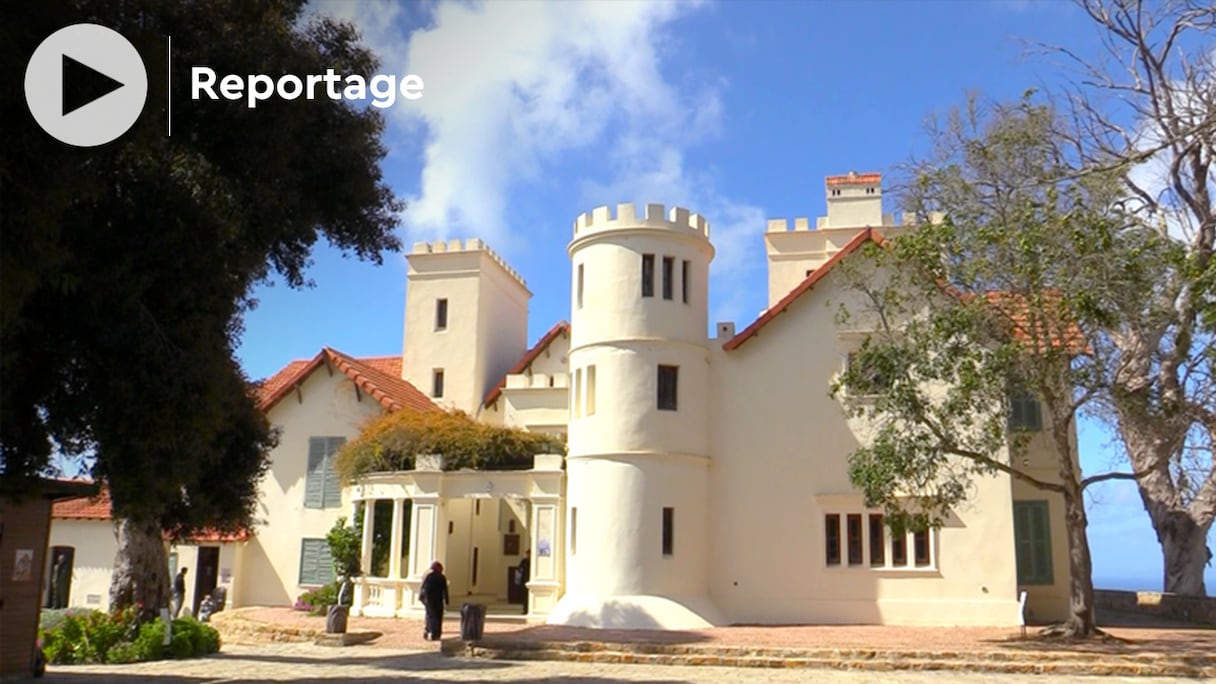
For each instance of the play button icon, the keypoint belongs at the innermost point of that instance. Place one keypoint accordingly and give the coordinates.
(83, 84)
(86, 85)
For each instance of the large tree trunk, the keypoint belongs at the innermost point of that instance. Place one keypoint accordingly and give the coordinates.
(1080, 569)
(1183, 538)
(1184, 545)
(141, 568)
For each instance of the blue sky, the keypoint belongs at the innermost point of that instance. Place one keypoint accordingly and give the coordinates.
(535, 112)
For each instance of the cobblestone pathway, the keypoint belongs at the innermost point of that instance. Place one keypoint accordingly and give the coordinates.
(309, 663)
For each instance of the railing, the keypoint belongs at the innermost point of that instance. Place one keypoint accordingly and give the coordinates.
(382, 597)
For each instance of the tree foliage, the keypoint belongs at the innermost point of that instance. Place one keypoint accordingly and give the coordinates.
(391, 442)
(1146, 111)
(345, 548)
(126, 268)
(991, 300)
(1073, 261)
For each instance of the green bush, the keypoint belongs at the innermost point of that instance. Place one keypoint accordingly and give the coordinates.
(100, 638)
(123, 653)
(149, 645)
(321, 598)
(50, 618)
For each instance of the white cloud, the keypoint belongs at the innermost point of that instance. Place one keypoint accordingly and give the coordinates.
(510, 85)
(1152, 176)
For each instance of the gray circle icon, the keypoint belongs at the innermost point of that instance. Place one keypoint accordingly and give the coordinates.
(86, 85)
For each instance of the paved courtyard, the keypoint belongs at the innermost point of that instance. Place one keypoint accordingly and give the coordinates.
(309, 663)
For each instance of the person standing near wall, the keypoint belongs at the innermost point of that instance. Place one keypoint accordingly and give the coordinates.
(179, 591)
(59, 583)
(434, 596)
(524, 572)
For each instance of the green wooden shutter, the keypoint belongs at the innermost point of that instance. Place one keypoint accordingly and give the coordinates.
(308, 561)
(316, 564)
(314, 484)
(1032, 539)
(332, 491)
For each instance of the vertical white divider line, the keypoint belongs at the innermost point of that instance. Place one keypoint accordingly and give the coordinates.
(169, 87)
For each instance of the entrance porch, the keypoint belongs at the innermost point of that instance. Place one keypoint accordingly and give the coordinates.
(479, 524)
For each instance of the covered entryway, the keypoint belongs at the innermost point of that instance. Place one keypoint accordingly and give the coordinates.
(480, 524)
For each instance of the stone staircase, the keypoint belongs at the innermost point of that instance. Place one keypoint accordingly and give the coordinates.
(995, 661)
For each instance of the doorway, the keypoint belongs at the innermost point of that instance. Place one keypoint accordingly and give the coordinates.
(207, 571)
(59, 578)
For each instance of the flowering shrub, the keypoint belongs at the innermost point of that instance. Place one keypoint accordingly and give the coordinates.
(95, 637)
(317, 601)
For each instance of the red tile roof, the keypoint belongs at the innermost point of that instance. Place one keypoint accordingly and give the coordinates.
(1073, 338)
(84, 507)
(99, 508)
(855, 179)
(867, 235)
(1061, 332)
(561, 328)
(377, 376)
(205, 536)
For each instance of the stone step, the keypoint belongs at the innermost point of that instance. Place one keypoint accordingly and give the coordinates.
(1100, 664)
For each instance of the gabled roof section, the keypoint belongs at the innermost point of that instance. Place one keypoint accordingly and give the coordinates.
(95, 507)
(562, 327)
(378, 377)
(98, 507)
(1013, 306)
(867, 235)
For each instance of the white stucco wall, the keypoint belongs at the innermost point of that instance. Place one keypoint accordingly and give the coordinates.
(1047, 602)
(487, 320)
(92, 566)
(780, 448)
(630, 460)
(270, 561)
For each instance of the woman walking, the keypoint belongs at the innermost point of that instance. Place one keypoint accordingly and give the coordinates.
(434, 596)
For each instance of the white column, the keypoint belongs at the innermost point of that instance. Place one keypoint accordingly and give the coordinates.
(426, 545)
(394, 558)
(547, 549)
(396, 591)
(369, 522)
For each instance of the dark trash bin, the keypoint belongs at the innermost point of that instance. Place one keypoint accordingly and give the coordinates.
(472, 621)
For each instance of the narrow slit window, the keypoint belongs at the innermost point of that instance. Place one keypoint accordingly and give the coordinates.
(573, 531)
(920, 541)
(831, 535)
(684, 268)
(668, 530)
(437, 383)
(591, 390)
(899, 550)
(441, 314)
(855, 552)
(669, 377)
(669, 267)
(647, 275)
(580, 286)
(579, 295)
(878, 546)
(578, 393)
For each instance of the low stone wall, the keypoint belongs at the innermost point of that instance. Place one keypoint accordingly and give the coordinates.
(1199, 610)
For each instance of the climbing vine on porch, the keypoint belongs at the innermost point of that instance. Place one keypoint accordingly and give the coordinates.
(391, 442)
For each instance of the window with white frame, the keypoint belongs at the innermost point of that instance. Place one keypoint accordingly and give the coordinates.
(863, 539)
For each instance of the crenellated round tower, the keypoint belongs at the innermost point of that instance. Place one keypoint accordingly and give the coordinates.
(637, 551)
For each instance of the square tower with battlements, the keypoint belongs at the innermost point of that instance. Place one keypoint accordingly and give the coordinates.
(466, 321)
(854, 202)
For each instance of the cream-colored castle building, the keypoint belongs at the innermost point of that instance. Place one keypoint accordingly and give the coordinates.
(706, 476)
